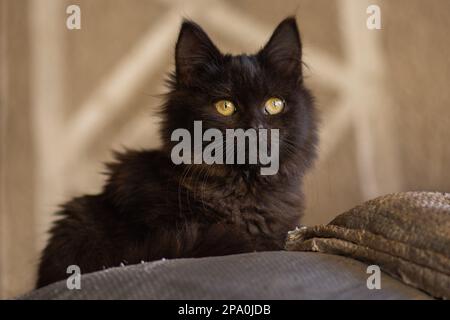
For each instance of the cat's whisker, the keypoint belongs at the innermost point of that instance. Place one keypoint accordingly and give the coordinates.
(182, 187)
(202, 194)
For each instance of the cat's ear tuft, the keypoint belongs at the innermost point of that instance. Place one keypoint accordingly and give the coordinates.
(284, 49)
(194, 51)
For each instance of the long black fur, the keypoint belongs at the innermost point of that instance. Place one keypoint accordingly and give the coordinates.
(151, 209)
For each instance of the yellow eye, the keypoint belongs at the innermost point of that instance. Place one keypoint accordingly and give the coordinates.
(274, 106)
(225, 107)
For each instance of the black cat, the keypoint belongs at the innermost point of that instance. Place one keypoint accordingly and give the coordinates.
(151, 208)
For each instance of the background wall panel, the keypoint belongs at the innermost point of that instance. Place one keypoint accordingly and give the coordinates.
(69, 96)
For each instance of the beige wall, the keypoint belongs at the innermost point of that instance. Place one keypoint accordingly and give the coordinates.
(68, 97)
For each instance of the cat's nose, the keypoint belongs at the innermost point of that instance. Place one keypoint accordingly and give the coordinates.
(256, 125)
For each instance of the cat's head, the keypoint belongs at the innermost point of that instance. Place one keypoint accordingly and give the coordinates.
(264, 90)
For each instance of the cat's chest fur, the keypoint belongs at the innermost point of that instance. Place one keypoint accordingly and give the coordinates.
(192, 202)
(253, 204)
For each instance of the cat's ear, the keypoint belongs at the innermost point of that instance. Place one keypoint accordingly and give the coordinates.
(194, 52)
(284, 49)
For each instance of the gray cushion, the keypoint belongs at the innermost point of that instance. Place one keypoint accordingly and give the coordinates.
(263, 275)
